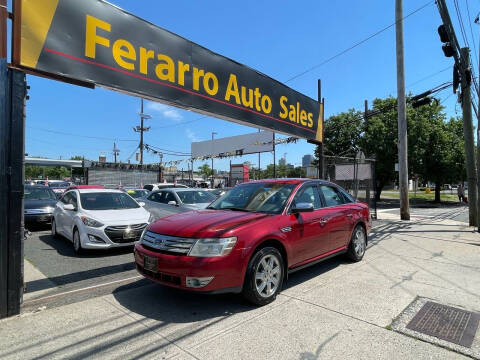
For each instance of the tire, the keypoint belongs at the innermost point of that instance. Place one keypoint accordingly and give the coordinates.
(77, 244)
(358, 244)
(264, 276)
(54, 228)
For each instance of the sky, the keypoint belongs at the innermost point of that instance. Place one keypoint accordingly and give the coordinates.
(279, 38)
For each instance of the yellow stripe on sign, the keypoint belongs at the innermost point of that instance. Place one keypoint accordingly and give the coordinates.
(36, 20)
(319, 136)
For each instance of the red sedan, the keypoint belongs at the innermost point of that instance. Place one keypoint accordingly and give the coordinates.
(249, 239)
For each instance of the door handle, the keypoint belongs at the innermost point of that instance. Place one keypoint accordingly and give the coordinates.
(323, 221)
(349, 215)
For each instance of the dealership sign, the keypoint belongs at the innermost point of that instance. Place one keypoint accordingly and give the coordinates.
(96, 42)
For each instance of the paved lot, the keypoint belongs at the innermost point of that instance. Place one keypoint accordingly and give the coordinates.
(335, 309)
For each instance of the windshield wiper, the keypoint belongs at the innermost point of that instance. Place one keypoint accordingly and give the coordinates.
(236, 209)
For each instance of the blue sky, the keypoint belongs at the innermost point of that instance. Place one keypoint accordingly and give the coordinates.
(278, 38)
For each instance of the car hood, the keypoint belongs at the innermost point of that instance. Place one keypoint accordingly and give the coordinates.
(119, 216)
(39, 204)
(203, 223)
(197, 206)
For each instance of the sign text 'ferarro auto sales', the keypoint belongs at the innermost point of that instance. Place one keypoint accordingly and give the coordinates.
(94, 41)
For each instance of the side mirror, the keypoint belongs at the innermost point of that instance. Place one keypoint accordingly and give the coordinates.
(68, 207)
(302, 207)
(141, 203)
(174, 203)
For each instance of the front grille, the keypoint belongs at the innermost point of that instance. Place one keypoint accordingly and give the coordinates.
(125, 233)
(160, 276)
(168, 244)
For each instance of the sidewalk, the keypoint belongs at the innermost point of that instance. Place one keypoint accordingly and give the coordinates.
(334, 310)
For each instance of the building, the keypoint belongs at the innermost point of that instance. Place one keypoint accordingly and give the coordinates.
(307, 160)
(282, 161)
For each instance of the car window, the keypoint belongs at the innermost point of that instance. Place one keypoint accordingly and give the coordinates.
(66, 198)
(347, 198)
(73, 200)
(195, 197)
(148, 187)
(308, 194)
(169, 197)
(107, 201)
(157, 196)
(39, 193)
(332, 195)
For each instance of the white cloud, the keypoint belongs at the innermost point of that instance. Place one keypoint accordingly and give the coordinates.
(191, 135)
(165, 110)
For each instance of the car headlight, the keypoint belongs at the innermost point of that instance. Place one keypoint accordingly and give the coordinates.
(91, 222)
(151, 218)
(49, 209)
(213, 247)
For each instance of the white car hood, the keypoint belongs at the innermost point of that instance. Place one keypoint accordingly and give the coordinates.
(124, 216)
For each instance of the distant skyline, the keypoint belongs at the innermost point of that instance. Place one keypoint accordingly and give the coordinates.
(280, 41)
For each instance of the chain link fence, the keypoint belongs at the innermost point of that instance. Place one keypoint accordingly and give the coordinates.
(356, 175)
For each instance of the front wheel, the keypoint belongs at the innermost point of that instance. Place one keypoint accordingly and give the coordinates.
(54, 228)
(358, 244)
(77, 244)
(264, 276)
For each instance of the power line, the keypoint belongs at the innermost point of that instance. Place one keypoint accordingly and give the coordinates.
(429, 76)
(77, 135)
(471, 30)
(356, 44)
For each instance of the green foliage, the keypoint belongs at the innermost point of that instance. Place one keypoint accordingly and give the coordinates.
(53, 173)
(435, 146)
(76, 157)
(283, 171)
(206, 171)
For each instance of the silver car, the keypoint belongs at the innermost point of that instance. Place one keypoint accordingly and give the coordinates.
(170, 201)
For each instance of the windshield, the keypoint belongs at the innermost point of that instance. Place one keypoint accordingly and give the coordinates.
(107, 201)
(39, 194)
(195, 197)
(137, 193)
(59, 185)
(256, 197)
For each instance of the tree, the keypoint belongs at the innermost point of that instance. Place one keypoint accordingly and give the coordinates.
(206, 171)
(435, 147)
(76, 157)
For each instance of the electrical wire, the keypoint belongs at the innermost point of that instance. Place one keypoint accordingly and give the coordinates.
(471, 31)
(77, 135)
(356, 44)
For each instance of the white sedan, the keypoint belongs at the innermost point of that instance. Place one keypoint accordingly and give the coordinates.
(99, 218)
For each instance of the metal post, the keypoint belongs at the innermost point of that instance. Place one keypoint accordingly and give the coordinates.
(402, 119)
(468, 135)
(274, 165)
(141, 133)
(478, 158)
(213, 179)
(258, 162)
(321, 174)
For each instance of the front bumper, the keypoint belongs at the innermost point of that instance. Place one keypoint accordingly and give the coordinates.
(97, 238)
(172, 270)
(42, 218)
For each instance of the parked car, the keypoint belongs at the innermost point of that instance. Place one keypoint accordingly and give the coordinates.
(59, 187)
(99, 219)
(39, 204)
(136, 193)
(159, 186)
(248, 240)
(174, 200)
(219, 191)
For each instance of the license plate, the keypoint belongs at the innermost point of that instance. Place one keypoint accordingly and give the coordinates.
(150, 263)
(129, 236)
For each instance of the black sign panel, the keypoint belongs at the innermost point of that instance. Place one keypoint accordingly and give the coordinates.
(94, 41)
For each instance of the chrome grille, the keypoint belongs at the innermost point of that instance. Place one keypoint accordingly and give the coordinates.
(173, 244)
(125, 233)
(124, 227)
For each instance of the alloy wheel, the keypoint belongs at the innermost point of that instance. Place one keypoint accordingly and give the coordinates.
(268, 275)
(76, 241)
(359, 242)
(54, 228)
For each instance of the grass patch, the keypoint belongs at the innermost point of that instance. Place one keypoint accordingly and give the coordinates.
(419, 195)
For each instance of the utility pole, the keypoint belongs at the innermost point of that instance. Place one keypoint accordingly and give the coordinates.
(116, 152)
(468, 135)
(320, 146)
(160, 168)
(258, 162)
(402, 119)
(213, 179)
(274, 165)
(451, 48)
(140, 129)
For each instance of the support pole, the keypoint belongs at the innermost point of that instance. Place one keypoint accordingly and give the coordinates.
(402, 119)
(321, 174)
(468, 135)
(274, 165)
(478, 159)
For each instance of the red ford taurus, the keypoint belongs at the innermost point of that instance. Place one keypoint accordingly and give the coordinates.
(249, 239)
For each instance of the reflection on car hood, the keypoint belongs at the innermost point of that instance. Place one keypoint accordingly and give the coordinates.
(39, 204)
(197, 206)
(203, 223)
(121, 215)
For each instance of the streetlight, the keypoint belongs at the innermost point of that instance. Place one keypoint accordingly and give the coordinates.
(213, 179)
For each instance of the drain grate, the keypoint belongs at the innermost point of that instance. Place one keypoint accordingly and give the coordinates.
(447, 323)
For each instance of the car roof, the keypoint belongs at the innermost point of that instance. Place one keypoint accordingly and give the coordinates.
(88, 191)
(37, 187)
(181, 189)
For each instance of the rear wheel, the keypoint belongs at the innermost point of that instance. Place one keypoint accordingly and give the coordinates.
(358, 244)
(77, 244)
(264, 276)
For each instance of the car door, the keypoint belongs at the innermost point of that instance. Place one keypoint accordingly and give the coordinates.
(336, 216)
(69, 215)
(308, 235)
(61, 218)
